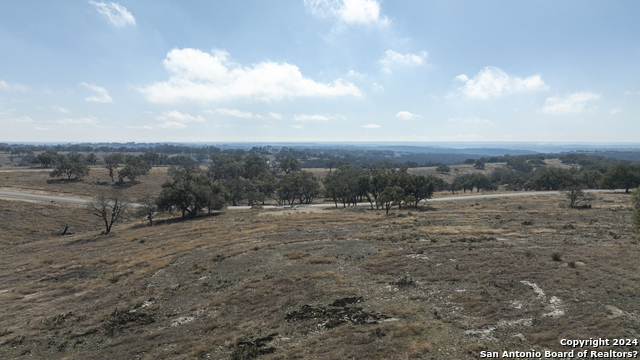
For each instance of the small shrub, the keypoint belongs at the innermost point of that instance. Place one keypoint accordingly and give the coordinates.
(571, 264)
(114, 279)
(528, 253)
(404, 281)
(556, 256)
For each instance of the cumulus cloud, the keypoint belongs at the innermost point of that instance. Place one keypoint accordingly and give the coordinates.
(13, 87)
(370, 126)
(405, 115)
(235, 113)
(275, 115)
(117, 14)
(492, 81)
(316, 117)
(177, 120)
(571, 104)
(102, 95)
(61, 109)
(200, 76)
(350, 12)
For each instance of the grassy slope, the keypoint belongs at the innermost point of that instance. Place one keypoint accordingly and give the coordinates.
(218, 286)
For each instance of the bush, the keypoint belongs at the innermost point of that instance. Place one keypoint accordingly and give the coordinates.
(556, 256)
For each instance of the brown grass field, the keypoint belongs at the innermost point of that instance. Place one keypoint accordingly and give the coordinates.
(441, 282)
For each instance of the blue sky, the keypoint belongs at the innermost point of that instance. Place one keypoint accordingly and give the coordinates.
(319, 70)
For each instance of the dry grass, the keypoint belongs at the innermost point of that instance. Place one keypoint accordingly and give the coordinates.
(201, 288)
(97, 180)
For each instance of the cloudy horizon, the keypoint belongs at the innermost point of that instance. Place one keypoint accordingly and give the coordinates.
(319, 70)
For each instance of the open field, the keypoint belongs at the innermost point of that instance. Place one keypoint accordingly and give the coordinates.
(97, 180)
(443, 282)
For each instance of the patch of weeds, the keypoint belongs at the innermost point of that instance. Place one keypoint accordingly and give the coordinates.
(556, 256)
(57, 320)
(593, 221)
(404, 281)
(528, 253)
(250, 349)
(614, 235)
(571, 264)
(568, 226)
(346, 301)
(527, 223)
(474, 240)
(378, 333)
(497, 217)
(114, 279)
(119, 319)
(519, 207)
(48, 262)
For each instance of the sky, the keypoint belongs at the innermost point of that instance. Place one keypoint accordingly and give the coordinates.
(319, 70)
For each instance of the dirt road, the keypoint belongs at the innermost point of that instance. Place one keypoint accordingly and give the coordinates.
(24, 196)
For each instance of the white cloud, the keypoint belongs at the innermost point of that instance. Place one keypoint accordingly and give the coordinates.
(297, 126)
(392, 58)
(378, 88)
(470, 120)
(615, 111)
(102, 95)
(303, 117)
(61, 109)
(627, 93)
(146, 127)
(275, 115)
(177, 120)
(236, 113)
(349, 12)
(405, 115)
(200, 76)
(77, 121)
(13, 87)
(572, 104)
(370, 126)
(354, 73)
(22, 119)
(117, 14)
(492, 81)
